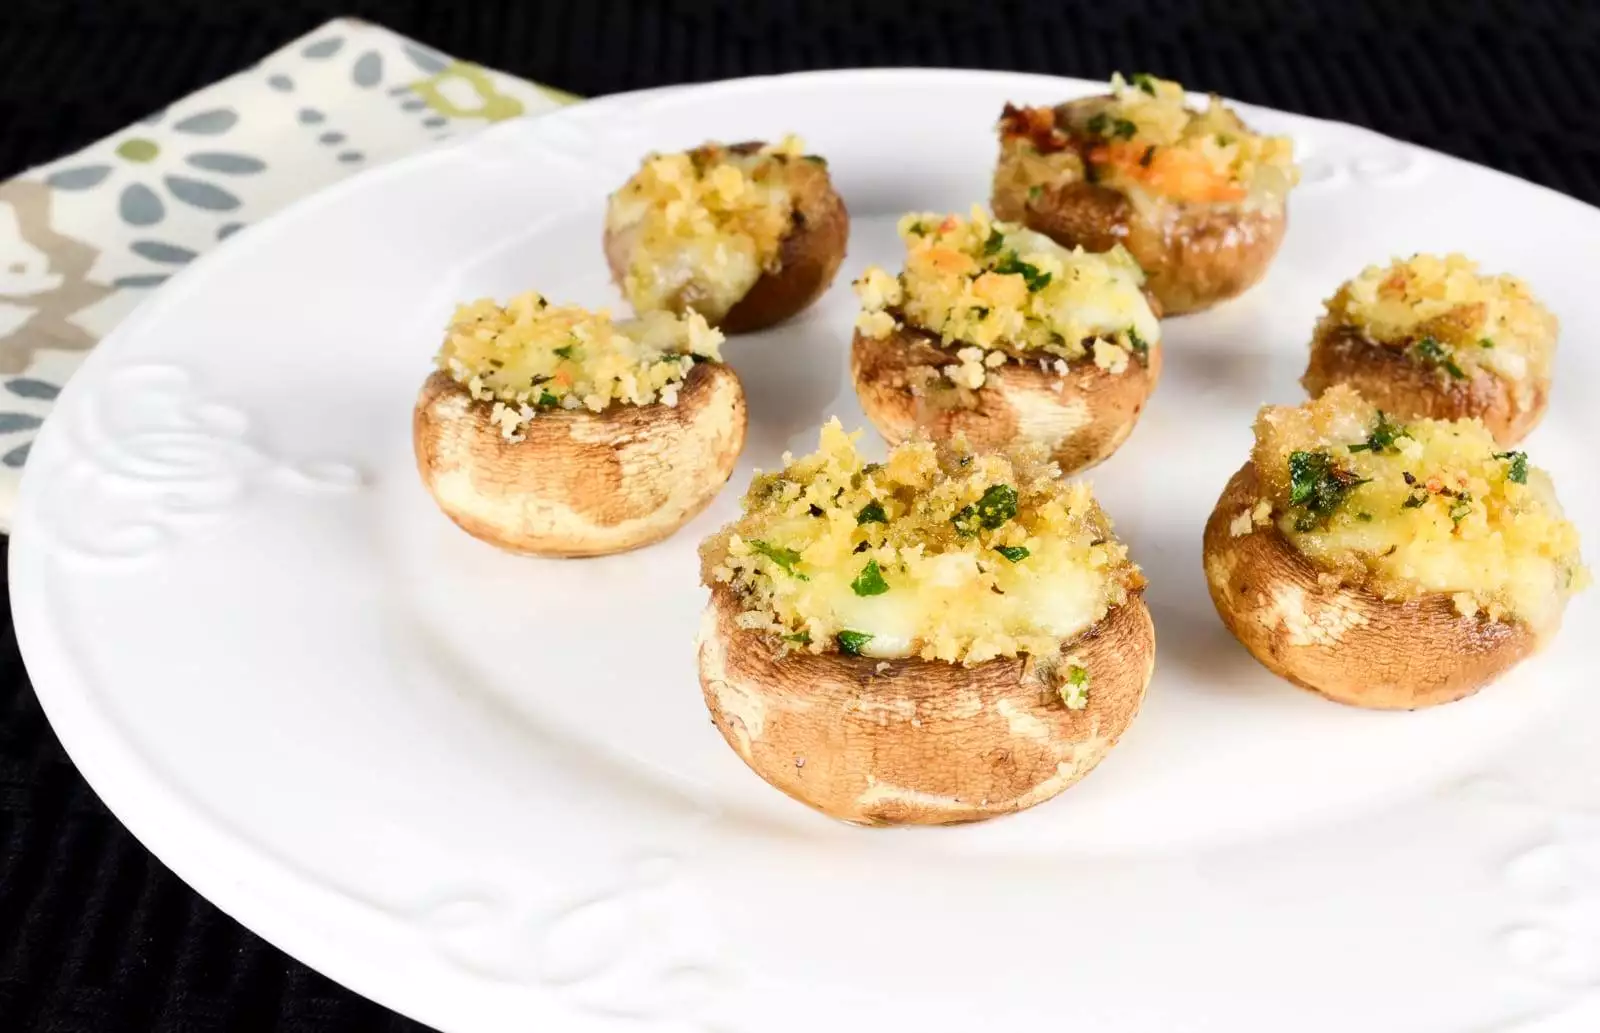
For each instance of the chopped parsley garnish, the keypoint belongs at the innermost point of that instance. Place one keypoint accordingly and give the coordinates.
(547, 399)
(1075, 689)
(802, 637)
(1461, 508)
(870, 581)
(998, 504)
(918, 228)
(1035, 278)
(1432, 353)
(1415, 500)
(1145, 81)
(1104, 125)
(1014, 553)
(852, 642)
(872, 513)
(996, 241)
(1484, 342)
(785, 558)
(1364, 517)
(816, 159)
(565, 351)
(1518, 472)
(1319, 485)
(1383, 436)
(1139, 346)
(1035, 192)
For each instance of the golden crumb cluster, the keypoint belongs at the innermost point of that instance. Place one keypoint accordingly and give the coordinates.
(938, 554)
(1429, 506)
(1143, 136)
(704, 224)
(1447, 314)
(529, 355)
(992, 290)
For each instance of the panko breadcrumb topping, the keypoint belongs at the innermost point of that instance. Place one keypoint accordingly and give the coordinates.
(992, 290)
(529, 355)
(1142, 137)
(1429, 506)
(934, 553)
(1445, 314)
(706, 224)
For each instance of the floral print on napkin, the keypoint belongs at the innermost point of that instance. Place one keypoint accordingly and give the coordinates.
(84, 239)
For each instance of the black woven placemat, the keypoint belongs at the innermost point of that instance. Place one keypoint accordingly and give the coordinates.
(95, 935)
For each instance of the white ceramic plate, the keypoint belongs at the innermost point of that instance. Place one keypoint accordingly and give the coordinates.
(485, 791)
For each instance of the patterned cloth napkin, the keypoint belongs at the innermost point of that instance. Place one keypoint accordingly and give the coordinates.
(85, 239)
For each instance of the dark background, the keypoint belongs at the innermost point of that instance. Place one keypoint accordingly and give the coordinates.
(96, 935)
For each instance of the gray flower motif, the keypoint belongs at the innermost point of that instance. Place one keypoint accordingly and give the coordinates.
(19, 422)
(146, 193)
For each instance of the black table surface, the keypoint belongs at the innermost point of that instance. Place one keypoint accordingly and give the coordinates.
(95, 934)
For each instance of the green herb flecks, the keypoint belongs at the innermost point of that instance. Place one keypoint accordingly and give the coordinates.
(785, 558)
(1382, 437)
(1484, 342)
(1014, 553)
(1431, 353)
(1319, 486)
(1461, 508)
(1139, 346)
(996, 241)
(800, 637)
(1144, 81)
(1415, 500)
(870, 581)
(1035, 278)
(1075, 689)
(548, 400)
(1103, 125)
(998, 504)
(816, 159)
(872, 513)
(565, 351)
(1517, 472)
(852, 642)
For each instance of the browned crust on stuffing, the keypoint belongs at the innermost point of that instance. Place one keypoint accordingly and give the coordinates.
(1404, 388)
(1343, 641)
(1194, 255)
(1082, 417)
(808, 257)
(580, 483)
(918, 742)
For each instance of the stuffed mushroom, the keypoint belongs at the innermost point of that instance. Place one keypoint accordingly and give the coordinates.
(746, 234)
(1431, 336)
(1196, 196)
(999, 335)
(552, 430)
(1385, 563)
(941, 637)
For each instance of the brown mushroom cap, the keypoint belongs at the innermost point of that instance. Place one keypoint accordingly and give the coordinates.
(917, 742)
(580, 483)
(808, 257)
(1343, 641)
(1082, 417)
(1406, 389)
